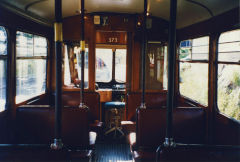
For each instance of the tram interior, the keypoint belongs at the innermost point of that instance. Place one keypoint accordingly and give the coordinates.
(119, 80)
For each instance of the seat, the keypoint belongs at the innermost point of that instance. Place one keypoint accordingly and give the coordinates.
(114, 111)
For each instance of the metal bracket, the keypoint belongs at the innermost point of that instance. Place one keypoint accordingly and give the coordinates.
(83, 106)
(57, 144)
(169, 142)
(143, 105)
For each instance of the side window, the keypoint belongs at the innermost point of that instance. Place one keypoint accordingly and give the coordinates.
(228, 95)
(3, 67)
(156, 67)
(193, 62)
(31, 65)
(77, 53)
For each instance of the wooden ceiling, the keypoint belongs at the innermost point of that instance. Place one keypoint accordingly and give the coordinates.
(188, 12)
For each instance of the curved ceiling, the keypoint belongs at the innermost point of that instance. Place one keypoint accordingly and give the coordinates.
(188, 11)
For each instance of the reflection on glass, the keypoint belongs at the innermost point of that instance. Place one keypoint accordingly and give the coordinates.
(120, 65)
(3, 79)
(77, 52)
(229, 90)
(30, 78)
(103, 65)
(194, 81)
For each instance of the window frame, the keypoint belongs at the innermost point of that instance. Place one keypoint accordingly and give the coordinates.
(204, 61)
(31, 58)
(223, 63)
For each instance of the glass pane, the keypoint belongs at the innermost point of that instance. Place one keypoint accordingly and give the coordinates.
(229, 57)
(230, 36)
(3, 87)
(202, 41)
(31, 78)
(103, 65)
(229, 47)
(40, 46)
(78, 56)
(120, 65)
(229, 90)
(3, 41)
(165, 70)
(195, 49)
(194, 81)
(24, 44)
(67, 75)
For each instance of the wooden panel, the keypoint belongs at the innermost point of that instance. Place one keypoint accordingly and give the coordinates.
(111, 37)
(72, 28)
(117, 23)
(105, 95)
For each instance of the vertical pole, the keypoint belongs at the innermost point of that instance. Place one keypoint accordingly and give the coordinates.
(82, 44)
(171, 72)
(57, 144)
(144, 48)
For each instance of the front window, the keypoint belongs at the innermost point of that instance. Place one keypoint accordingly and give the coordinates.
(193, 63)
(103, 65)
(31, 63)
(120, 65)
(111, 67)
(3, 67)
(228, 95)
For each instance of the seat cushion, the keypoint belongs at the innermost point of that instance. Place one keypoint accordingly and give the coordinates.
(114, 104)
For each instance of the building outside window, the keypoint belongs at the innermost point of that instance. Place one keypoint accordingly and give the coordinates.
(31, 66)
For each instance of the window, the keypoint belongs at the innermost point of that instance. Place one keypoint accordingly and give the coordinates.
(111, 65)
(228, 95)
(156, 66)
(3, 67)
(193, 62)
(103, 65)
(31, 63)
(77, 52)
(120, 65)
(67, 75)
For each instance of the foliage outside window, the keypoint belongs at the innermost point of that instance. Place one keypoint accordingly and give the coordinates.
(193, 63)
(229, 74)
(3, 67)
(31, 63)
